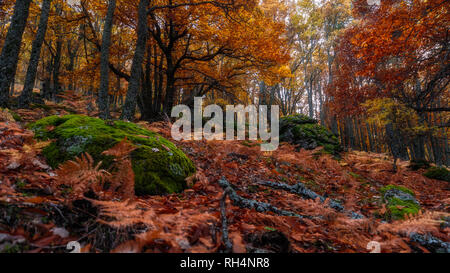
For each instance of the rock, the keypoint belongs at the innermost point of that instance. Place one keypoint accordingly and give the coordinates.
(431, 243)
(269, 242)
(157, 170)
(399, 201)
(416, 165)
(438, 173)
(308, 134)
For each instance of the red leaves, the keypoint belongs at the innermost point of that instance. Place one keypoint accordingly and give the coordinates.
(384, 51)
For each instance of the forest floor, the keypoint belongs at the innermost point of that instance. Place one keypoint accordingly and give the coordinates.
(34, 219)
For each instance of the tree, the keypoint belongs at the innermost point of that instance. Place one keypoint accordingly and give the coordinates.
(397, 50)
(136, 68)
(103, 95)
(30, 79)
(11, 48)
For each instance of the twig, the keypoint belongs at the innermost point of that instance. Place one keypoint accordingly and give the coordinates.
(59, 211)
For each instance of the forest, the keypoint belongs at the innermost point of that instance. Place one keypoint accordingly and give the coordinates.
(89, 162)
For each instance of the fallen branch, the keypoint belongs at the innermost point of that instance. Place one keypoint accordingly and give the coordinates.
(223, 211)
(302, 190)
(252, 204)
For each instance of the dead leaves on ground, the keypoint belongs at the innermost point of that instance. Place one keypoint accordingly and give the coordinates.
(191, 222)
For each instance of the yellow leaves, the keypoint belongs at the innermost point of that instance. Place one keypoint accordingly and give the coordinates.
(385, 110)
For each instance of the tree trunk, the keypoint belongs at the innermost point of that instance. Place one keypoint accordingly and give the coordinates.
(170, 88)
(30, 79)
(147, 89)
(56, 68)
(310, 98)
(103, 98)
(11, 48)
(136, 68)
(394, 143)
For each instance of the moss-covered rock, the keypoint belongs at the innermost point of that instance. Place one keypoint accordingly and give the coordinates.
(400, 201)
(308, 134)
(159, 166)
(416, 165)
(438, 173)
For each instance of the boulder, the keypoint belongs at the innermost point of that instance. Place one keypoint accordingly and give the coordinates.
(307, 134)
(400, 202)
(159, 166)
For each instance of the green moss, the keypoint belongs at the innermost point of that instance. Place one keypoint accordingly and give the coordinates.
(358, 177)
(16, 116)
(299, 119)
(418, 165)
(40, 106)
(397, 208)
(159, 166)
(395, 187)
(306, 132)
(438, 173)
(13, 114)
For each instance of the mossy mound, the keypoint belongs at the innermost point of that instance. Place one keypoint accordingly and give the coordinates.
(438, 173)
(400, 202)
(418, 165)
(308, 134)
(159, 166)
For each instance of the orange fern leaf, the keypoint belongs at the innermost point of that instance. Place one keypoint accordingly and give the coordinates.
(81, 175)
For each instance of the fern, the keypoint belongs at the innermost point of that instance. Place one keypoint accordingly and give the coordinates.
(81, 175)
(123, 179)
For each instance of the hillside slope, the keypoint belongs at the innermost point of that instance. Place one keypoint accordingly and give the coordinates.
(264, 208)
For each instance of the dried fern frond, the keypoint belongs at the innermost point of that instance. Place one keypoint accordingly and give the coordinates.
(125, 214)
(423, 223)
(81, 175)
(121, 150)
(123, 180)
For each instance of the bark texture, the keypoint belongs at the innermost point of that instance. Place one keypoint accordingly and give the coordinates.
(11, 48)
(136, 68)
(30, 79)
(103, 98)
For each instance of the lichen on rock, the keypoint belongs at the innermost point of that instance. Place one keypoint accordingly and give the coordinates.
(159, 166)
(400, 202)
(308, 134)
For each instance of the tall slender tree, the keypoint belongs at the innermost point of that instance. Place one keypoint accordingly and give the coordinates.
(136, 68)
(11, 48)
(103, 98)
(30, 79)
